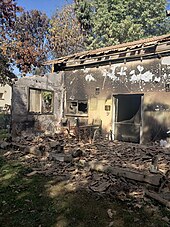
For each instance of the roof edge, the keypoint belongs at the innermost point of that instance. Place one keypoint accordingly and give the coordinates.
(109, 48)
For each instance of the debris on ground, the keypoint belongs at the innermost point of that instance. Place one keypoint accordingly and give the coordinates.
(129, 172)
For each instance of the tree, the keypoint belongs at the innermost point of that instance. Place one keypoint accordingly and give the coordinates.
(8, 10)
(23, 38)
(28, 43)
(66, 37)
(109, 22)
(5, 73)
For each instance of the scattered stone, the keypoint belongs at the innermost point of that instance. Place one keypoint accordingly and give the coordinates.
(77, 153)
(103, 167)
(57, 157)
(82, 162)
(8, 153)
(136, 219)
(33, 150)
(138, 205)
(110, 214)
(62, 157)
(68, 158)
(166, 219)
(102, 187)
(166, 195)
(4, 145)
(16, 139)
(111, 224)
(31, 174)
(53, 144)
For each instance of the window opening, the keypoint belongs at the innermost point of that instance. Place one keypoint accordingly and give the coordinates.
(47, 101)
(40, 101)
(82, 107)
(72, 107)
(77, 107)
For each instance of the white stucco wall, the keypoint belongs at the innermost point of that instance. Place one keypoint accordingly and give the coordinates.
(6, 98)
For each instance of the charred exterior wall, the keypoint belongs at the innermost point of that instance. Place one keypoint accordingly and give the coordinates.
(97, 85)
(156, 116)
(25, 121)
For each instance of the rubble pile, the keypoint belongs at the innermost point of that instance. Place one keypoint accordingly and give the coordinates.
(122, 170)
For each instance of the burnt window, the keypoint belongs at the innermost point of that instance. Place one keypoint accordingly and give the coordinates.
(77, 107)
(40, 101)
(72, 107)
(82, 106)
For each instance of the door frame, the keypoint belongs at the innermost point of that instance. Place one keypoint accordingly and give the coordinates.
(115, 111)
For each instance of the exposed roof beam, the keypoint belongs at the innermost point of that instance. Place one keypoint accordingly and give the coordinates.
(64, 67)
(107, 50)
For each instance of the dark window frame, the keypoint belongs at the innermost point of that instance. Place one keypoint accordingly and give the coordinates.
(76, 111)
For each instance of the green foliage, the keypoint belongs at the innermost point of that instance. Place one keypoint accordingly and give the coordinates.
(109, 22)
(47, 95)
(5, 74)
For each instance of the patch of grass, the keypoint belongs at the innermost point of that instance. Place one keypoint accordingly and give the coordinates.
(44, 201)
(23, 200)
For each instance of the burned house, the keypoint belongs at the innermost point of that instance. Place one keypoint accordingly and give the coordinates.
(124, 88)
(36, 104)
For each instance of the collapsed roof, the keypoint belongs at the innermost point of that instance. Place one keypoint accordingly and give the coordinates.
(140, 49)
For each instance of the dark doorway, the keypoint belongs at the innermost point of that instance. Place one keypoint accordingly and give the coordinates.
(127, 117)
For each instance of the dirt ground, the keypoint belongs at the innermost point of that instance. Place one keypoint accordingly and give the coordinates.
(110, 183)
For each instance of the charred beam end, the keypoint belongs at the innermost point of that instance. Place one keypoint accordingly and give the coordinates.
(167, 13)
(59, 67)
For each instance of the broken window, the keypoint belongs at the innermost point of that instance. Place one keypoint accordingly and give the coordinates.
(40, 101)
(82, 107)
(72, 107)
(77, 107)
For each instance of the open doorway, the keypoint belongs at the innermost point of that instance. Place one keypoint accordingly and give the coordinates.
(127, 117)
